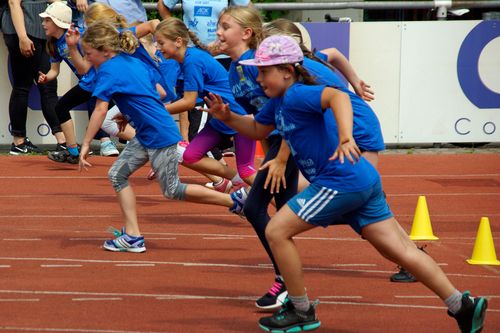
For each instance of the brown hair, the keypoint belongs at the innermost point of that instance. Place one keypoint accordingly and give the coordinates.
(101, 12)
(104, 36)
(172, 28)
(247, 17)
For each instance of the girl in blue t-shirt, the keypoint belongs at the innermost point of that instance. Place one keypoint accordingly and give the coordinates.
(156, 137)
(338, 191)
(203, 74)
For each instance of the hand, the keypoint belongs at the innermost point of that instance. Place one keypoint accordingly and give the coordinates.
(72, 36)
(121, 121)
(42, 78)
(347, 149)
(275, 175)
(217, 108)
(82, 5)
(364, 91)
(26, 47)
(214, 48)
(84, 154)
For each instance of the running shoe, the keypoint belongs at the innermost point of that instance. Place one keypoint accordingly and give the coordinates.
(125, 243)
(25, 148)
(289, 319)
(239, 197)
(108, 148)
(224, 186)
(274, 298)
(63, 156)
(403, 276)
(470, 317)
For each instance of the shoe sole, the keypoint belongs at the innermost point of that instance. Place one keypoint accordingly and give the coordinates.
(403, 280)
(279, 302)
(131, 249)
(479, 314)
(292, 329)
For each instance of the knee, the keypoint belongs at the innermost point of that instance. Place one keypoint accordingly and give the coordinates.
(254, 211)
(273, 234)
(118, 179)
(191, 157)
(175, 191)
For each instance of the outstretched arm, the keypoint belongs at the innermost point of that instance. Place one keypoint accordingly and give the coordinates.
(95, 122)
(72, 38)
(340, 103)
(145, 28)
(245, 125)
(339, 61)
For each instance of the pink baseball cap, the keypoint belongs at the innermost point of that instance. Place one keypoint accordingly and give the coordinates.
(276, 50)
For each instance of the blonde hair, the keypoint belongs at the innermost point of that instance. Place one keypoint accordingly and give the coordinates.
(103, 36)
(171, 28)
(247, 17)
(101, 12)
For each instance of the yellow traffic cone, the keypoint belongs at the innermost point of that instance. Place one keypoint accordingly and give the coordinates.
(484, 249)
(421, 228)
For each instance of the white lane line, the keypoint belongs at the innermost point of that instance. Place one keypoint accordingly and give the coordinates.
(414, 296)
(4, 266)
(22, 239)
(19, 299)
(69, 330)
(257, 266)
(340, 297)
(135, 265)
(85, 299)
(60, 266)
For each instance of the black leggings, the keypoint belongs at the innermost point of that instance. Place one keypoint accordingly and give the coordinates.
(259, 198)
(71, 99)
(24, 74)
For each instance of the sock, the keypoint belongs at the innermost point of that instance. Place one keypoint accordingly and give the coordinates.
(73, 149)
(237, 180)
(300, 302)
(454, 302)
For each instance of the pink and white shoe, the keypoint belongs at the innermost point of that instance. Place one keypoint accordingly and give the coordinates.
(151, 174)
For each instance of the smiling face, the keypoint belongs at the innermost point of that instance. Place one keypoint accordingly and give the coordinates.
(168, 48)
(275, 80)
(232, 36)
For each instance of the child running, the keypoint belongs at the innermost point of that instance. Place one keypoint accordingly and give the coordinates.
(337, 190)
(202, 73)
(156, 132)
(239, 32)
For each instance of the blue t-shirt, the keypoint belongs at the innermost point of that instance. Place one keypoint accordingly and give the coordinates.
(201, 16)
(366, 128)
(312, 140)
(86, 82)
(203, 74)
(243, 82)
(136, 97)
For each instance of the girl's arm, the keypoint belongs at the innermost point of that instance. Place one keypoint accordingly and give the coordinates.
(340, 103)
(187, 102)
(245, 125)
(277, 167)
(72, 38)
(161, 91)
(51, 74)
(163, 10)
(95, 122)
(26, 45)
(145, 28)
(339, 61)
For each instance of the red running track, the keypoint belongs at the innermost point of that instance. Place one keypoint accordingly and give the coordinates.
(204, 267)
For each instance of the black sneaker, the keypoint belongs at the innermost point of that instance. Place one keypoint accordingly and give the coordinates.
(63, 157)
(289, 319)
(403, 276)
(25, 148)
(470, 317)
(61, 147)
(274, 298)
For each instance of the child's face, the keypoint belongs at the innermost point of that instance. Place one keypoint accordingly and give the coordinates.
(230, 34)
(167, 47)
(51, 29)
(274, 80)
(94, 56)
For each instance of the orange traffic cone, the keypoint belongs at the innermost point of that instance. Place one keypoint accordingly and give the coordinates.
(421, 228)
(484, 249)
(259, 152)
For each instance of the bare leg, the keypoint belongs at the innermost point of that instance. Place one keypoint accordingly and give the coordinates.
(201, 194)
(387, 238)
(126, 198)
(69, 132)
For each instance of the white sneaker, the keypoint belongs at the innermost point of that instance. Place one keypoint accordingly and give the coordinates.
(108, 148)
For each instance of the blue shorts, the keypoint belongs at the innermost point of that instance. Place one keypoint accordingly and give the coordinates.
(322, 206)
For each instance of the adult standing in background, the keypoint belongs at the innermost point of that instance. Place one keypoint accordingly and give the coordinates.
(25, 40)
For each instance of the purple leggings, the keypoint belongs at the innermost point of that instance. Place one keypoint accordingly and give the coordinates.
(208, 138)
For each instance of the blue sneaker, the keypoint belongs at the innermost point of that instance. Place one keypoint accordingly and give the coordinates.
(108, 148)
(470, 317)
(239, 197)
(289, 319)
(125, 243)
